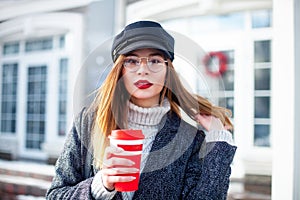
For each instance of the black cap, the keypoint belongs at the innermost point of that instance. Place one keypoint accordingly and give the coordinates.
(140, 35)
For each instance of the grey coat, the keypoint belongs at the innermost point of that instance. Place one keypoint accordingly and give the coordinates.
(180, 166)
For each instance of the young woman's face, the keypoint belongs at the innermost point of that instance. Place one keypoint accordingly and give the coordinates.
(143, 82)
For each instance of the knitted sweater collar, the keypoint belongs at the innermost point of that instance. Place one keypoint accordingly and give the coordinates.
(138, 116)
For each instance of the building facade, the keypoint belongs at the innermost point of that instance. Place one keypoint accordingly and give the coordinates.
(44, 46)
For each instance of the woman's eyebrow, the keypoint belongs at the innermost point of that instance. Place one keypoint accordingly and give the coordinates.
(156, 54)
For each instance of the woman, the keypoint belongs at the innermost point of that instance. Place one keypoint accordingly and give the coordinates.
(143, 91)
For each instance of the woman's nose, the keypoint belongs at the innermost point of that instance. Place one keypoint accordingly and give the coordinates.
(143, 67)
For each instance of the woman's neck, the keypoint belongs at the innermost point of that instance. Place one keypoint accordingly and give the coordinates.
(145, 103)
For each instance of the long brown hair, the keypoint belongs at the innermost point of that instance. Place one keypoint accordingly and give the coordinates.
(112, 99)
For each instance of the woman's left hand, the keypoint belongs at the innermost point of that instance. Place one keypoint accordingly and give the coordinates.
(210, 122)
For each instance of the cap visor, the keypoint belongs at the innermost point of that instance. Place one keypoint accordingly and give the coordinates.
(144, 45)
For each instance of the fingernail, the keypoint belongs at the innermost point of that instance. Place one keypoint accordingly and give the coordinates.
(119, 149)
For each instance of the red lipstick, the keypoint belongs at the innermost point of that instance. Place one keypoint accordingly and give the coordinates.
(143, 84)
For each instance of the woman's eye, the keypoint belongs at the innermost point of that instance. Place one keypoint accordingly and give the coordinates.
(155, 61)
(131, 61)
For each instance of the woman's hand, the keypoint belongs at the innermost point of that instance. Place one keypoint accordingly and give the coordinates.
(210, 122)
(113, 167)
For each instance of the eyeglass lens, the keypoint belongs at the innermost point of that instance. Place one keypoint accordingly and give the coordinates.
(154, 63)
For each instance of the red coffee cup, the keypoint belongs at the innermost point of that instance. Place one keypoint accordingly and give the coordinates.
(132, 142)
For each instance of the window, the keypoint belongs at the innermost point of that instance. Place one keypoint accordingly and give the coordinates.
(62, 41)
(36, 106)
(262, 51)
(261, 18)
(262, 107)
(207, 24)
(63, 90)
(261, 135)
(262, 98)
(262, 79)
(9, 97)
(227, 82)
(39, 44)
(11, 48)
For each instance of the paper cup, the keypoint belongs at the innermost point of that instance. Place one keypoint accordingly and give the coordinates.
(132, 142)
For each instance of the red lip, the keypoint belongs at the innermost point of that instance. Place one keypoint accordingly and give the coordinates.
(143, 84)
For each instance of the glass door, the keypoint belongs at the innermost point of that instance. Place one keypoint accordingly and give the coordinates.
(36, 106)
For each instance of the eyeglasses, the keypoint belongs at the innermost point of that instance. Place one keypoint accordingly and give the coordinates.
(154, 63)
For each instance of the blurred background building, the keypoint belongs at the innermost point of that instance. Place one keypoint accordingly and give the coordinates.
(44, 45)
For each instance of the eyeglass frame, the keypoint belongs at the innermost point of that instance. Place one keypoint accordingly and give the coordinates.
(139, 59)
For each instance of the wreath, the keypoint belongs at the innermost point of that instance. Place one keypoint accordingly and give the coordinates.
(207, 61)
